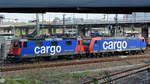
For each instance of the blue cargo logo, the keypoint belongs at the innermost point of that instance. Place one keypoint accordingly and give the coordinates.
(114, 45)
(47, 49)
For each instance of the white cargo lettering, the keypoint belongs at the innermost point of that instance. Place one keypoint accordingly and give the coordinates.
(119, 46)
(47, 49)
(124, 44)
(104, 45)
(36, 50)
(52, 50)
(58, 49)
(110, 45)
(114, 45)
(42, 50)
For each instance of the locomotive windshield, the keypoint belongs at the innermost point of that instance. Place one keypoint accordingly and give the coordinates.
(17, 44)
(86, 42)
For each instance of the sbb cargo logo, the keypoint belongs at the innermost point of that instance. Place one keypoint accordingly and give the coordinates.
(114, 45)
(47, 49)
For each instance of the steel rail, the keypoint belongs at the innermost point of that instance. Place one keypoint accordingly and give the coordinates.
(118, 73)
(133, 73)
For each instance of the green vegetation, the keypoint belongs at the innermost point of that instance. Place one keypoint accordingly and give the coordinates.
(74, 75)
(68, 78)
(76, 78)
(95, 81)
(108, 78)
(64, 78)
(20, 81)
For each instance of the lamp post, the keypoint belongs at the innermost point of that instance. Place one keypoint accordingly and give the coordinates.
(64, 24)
(42, 23)
(116, 22)
(37, 26)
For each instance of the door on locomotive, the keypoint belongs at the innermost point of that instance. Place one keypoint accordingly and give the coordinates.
(86, 43)
(16, 46)
(142, 43)
(69, 47)
(96, 45)
(79, 47)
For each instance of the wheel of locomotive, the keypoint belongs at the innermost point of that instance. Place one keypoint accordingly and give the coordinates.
(92, 55)
(83, 56)
(17, 60)
(136, 52)
(38, 59)
(27, 59)
(75, 57)
(103, 54)
(115, 53)
(125, 53)
(129, 52)
(132, 52)
(110, 54)
(69, 57)
(97, 55)
(72, 56)
(107, 54)
(88, 55)
(48, 58)
(120, 53)
(54, 57)
(80, 56)
(142, 51)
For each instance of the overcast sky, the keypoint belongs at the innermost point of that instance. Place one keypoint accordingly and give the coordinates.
(24, 17)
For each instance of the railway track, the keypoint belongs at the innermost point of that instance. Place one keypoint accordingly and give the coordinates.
(71, 62)
(119, 75)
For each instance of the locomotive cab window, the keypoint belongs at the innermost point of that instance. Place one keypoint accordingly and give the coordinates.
(25, 44)
(39, 43)
(68, 42)
(86, 42)
(78, 42)
(17, 44)
(54, 43)
(142, 40)
(95, 41)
